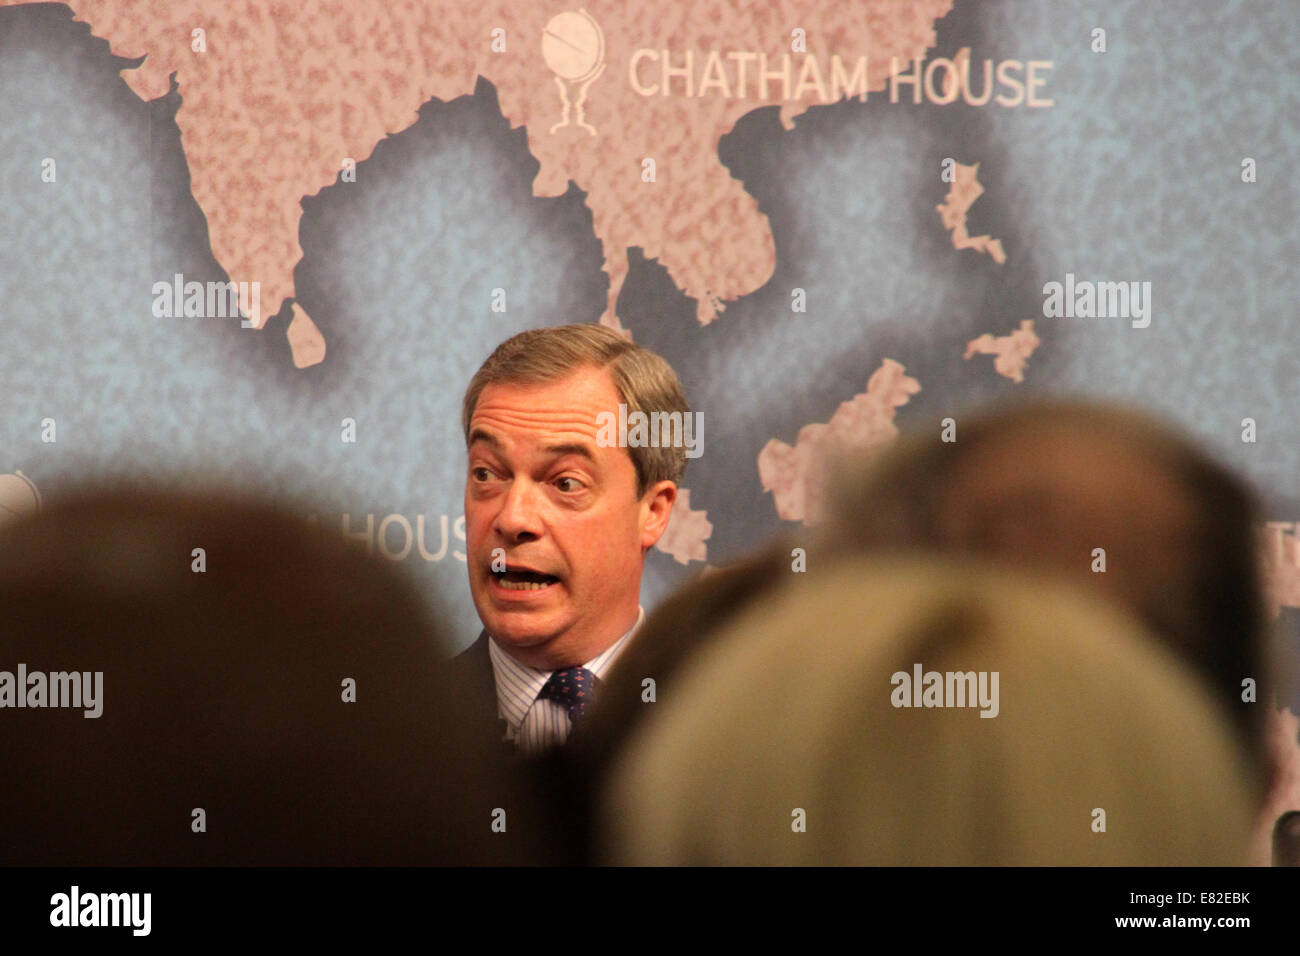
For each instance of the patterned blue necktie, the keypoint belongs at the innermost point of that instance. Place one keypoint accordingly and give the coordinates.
(573, 687)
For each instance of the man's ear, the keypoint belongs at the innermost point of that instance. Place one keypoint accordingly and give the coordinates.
(656, 509)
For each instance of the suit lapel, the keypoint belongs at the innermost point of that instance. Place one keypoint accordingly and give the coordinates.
(473, 667)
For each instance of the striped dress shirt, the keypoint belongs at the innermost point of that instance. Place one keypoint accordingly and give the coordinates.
(537, 725)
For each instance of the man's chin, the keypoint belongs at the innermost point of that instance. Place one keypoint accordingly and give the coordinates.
(520, 638)
(521, 627)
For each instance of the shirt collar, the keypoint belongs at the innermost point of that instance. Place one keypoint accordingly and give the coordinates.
(518, 685)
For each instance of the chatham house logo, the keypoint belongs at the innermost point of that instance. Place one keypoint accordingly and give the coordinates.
(573, 46)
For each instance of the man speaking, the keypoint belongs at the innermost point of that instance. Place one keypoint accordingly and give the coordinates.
(559, 518)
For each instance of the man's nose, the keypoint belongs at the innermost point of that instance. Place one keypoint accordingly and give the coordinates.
(520, 517)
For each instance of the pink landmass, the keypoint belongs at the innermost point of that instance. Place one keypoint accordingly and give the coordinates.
(796, 475)
(1011, 351)
(1284, 751)
(305, 340)
(283, 94)
(687, 533)
(962, 193)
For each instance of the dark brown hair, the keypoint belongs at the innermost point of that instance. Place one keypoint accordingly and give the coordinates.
(223, 690)
(1209, 608)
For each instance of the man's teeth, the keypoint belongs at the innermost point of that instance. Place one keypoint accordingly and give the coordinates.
(524, 585)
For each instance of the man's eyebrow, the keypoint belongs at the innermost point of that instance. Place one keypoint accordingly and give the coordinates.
(571, 448)
(479, 434)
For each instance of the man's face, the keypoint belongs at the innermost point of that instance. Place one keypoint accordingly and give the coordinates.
(565, 513)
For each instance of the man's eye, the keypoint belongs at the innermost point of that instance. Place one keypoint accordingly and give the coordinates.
(568, 484)
(480, 473)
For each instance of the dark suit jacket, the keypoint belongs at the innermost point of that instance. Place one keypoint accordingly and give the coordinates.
(472, 670)
(552, 800)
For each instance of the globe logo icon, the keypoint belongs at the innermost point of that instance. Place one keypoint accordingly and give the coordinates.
(573, 46)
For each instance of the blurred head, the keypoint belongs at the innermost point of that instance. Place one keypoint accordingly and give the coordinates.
(557, 520)
(1116, 502)
(786, 742)
(268, 696)
(682, 625)
(1286, 839)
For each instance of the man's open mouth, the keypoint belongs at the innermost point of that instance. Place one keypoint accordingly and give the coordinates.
(524, 580)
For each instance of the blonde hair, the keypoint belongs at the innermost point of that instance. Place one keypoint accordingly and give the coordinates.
(644, 380)
(791, 707)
